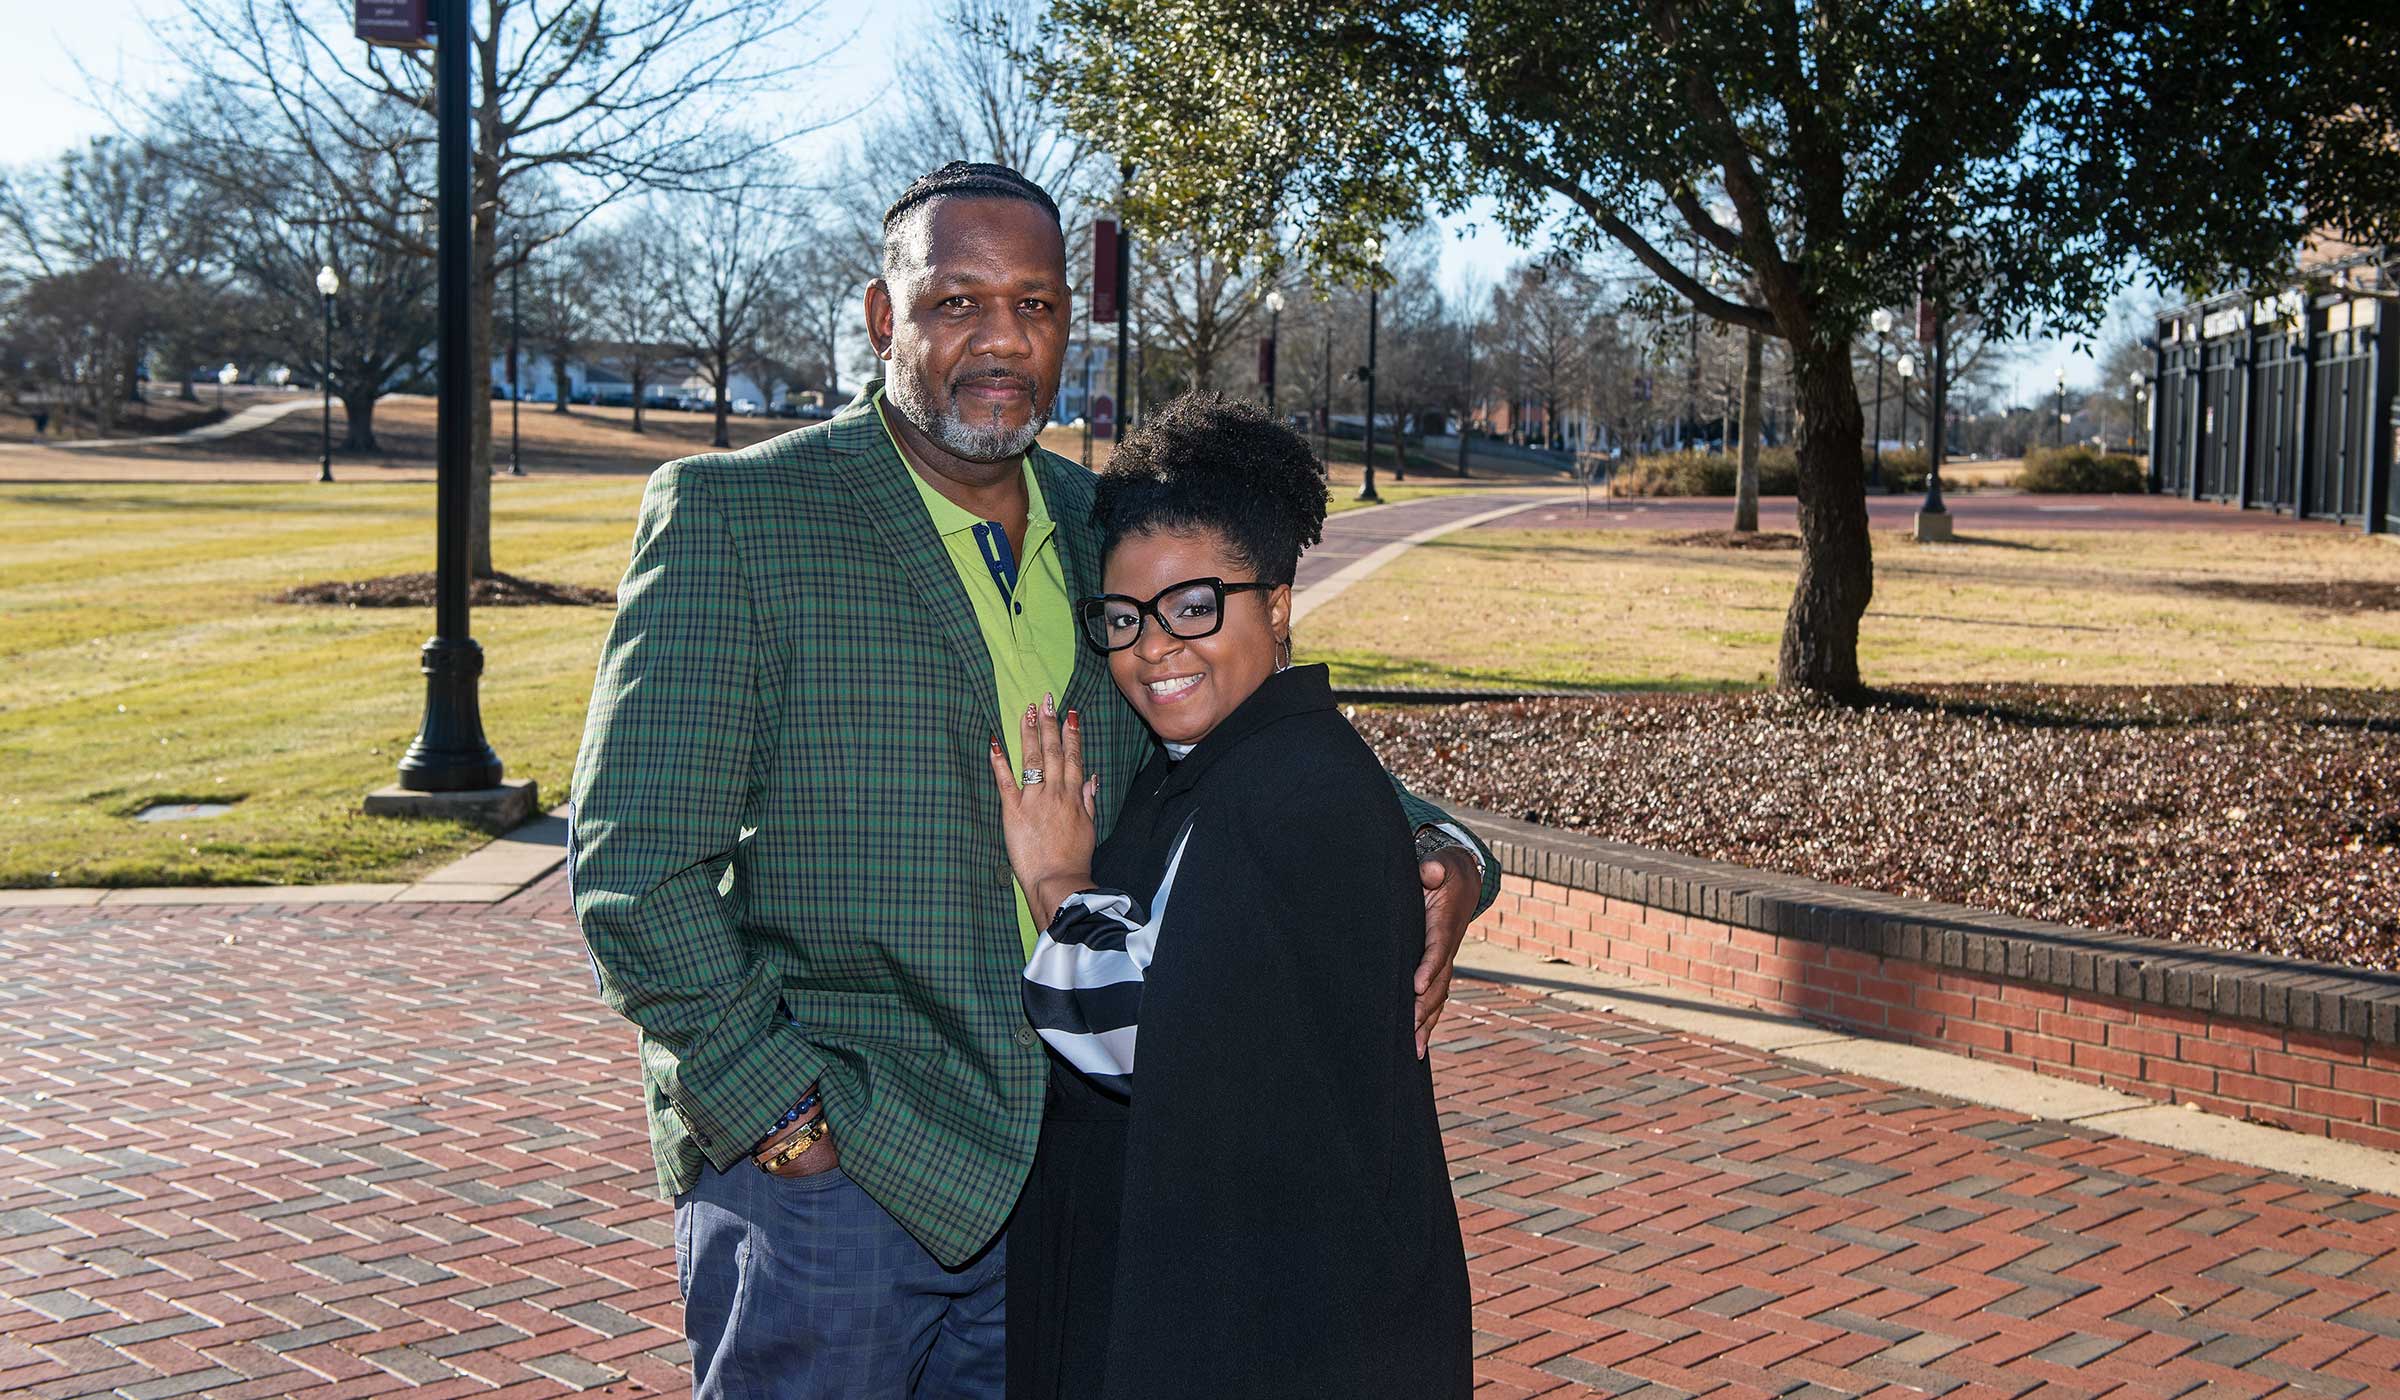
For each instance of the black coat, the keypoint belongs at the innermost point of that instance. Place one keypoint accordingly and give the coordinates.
(1287, 1227)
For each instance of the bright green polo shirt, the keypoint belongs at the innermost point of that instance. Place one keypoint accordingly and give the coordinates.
(1030, 633)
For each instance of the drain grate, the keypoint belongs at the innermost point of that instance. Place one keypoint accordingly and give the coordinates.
(181, 811)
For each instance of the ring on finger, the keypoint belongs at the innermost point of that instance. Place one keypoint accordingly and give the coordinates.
(1030, 776)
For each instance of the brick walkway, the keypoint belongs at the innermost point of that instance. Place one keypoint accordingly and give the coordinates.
(341, 1151)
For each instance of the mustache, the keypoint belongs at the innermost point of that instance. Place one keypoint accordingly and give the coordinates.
(1004, 376)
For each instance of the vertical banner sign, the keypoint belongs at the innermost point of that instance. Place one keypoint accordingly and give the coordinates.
(1104, 417)
(1105, 292)
(398, 24)
(1266, 361)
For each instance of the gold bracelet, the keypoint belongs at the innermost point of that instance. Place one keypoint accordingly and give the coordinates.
(809, 1135)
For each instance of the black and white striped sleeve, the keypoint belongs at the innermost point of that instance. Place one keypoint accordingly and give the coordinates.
(1083, 985)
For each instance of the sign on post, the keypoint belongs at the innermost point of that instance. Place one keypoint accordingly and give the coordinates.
(1104, 417)
(398, 24)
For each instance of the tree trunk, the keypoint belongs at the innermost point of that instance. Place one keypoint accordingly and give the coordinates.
(1745, 497)
(1462, 446)
(358, 423)
(1399, 446)
(558, 379)
(1837, 568)
(189, 394)
(724, 406)
(641, 384)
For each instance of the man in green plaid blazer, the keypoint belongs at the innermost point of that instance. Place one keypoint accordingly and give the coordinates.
(788, 860)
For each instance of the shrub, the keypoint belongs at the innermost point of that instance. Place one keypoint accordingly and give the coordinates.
(1705, 474)
(2080, 470)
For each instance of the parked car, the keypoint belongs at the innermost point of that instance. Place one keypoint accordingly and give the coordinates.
(745, 408)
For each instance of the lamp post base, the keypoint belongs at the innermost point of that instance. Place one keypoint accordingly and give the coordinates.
(450, 753)
(501, 808)
(1933, 527)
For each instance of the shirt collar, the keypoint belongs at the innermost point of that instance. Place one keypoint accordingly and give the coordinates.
(951, 518)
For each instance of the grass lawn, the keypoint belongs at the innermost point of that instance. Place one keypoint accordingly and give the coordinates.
(140, 661)
(1623, 609)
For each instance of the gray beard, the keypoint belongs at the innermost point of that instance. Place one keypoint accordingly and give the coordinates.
(958, 438)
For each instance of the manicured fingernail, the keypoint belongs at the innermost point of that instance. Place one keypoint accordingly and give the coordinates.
(1074, 718)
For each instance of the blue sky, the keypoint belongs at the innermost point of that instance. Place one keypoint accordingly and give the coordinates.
(45, 105)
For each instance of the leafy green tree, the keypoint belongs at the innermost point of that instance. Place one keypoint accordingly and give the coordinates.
(2010, 155)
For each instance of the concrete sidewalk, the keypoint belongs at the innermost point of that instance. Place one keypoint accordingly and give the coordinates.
(351, 1149)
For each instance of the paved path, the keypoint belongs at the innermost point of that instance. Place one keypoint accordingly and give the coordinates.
(1971, 512)
(257, 415)
(349, 1150)
(1358, 542)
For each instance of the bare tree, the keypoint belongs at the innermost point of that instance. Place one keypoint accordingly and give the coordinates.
(284, 225)
(629, 269)
(574, 105)
(727, 259)
(130, 206)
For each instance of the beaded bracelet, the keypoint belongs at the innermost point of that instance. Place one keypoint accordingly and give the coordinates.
(799, 1110)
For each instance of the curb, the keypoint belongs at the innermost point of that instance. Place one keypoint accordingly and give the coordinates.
(1940, 1072)
(493, 872)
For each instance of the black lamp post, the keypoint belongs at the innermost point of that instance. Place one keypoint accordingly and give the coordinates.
(1274, 345)
(450, 753)
(1906, 367)
(328, 282)
(2058, 438)
(225, 376)
(1367, 492)
(2141, 398)
(1882, 321)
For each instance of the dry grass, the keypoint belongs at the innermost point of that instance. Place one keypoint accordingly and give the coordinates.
(1624, 609)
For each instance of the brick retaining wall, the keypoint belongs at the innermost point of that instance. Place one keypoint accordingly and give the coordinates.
(2300, 1045)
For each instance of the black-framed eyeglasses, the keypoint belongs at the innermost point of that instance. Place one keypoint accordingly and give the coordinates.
(1189, 610)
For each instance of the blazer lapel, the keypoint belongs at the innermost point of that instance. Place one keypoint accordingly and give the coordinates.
(1068, 490)
(875, 475)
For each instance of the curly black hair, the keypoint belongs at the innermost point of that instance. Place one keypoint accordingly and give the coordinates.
(1207, 462)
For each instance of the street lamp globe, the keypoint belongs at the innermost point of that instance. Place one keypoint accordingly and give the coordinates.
(283, 375)
(228, 375)
(2062, 381)
(1275, 301)
(1373, 248)
(1881, 321)
(328, 281)
(1907, 366)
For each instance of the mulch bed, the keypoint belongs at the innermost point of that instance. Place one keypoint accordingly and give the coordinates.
(1736, 539)
(2332, 595)
(416, 591)
(2248, 818)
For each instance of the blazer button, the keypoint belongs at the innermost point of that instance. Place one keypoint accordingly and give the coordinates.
(1026, 1037)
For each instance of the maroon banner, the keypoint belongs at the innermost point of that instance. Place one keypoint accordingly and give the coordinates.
(1266, 359)
(1104, 271)
(1104, 417)
(394, 23)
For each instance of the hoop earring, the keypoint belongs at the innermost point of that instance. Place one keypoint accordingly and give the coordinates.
(1283, 655)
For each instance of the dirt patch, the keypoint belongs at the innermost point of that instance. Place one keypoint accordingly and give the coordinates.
(1735, 539)
(2263, 819)
(416, 591)
(2332, 595)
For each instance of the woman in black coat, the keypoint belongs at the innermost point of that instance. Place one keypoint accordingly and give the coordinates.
(1256, 1204)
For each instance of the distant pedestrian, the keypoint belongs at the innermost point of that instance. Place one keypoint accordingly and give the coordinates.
(41, 422)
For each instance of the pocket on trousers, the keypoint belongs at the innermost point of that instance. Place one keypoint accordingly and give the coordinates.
(813, 1184)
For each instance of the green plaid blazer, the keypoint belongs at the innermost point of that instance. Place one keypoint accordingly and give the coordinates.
(787, 857)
